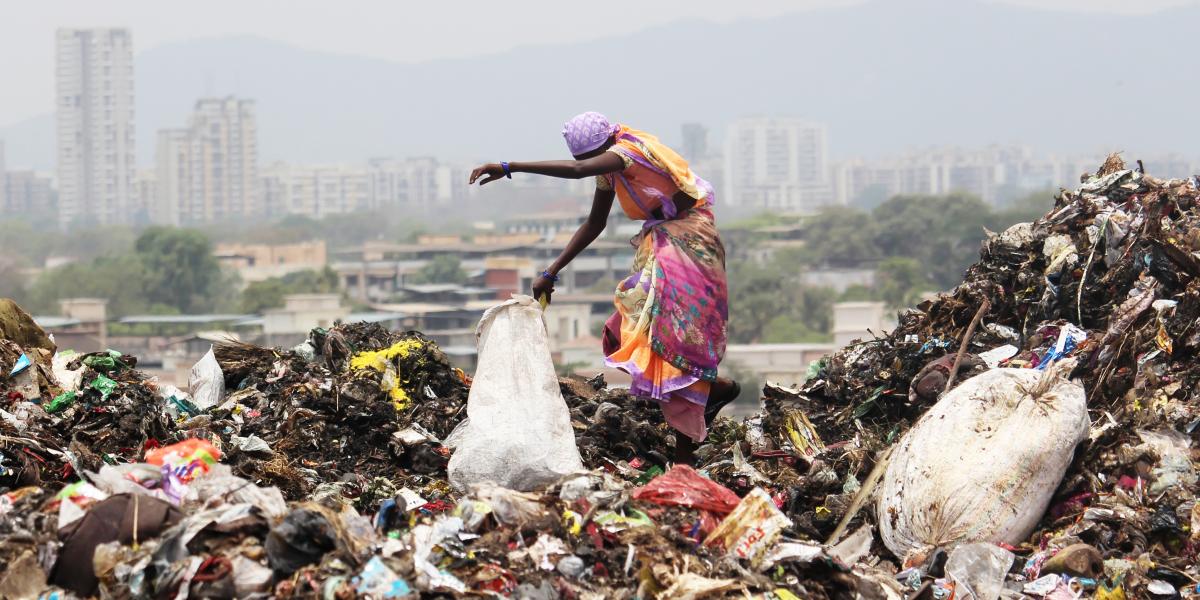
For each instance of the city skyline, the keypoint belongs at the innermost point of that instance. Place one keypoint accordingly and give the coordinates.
(878, 94)
(539, 22)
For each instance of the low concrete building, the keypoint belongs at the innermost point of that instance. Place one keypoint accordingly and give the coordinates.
(257, 262)
(780, 363)
(301, 313)
(859, 320)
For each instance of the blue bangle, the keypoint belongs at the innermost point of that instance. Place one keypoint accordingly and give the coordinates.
(507, 171)
(552, 278)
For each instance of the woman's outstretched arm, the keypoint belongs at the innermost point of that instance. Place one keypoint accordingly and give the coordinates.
(606, 162)
(584, 236)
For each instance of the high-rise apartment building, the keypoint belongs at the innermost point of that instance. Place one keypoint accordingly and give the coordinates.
(224, 155)
(94, 114)
(695, 141)
(208, 171)
(777, 163)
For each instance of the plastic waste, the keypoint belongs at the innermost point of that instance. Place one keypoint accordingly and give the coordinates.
(683, 486)
(103, 385)
(510, 507)
(249, 577)
(206, 382)
(571, 566)
(1174, 468)
(422, 539)
(302, 538)
(185, 458)
(751, 529)
(987, 458)
(377, 580)
(67, 379)
(60, 402)
(518, 430)
(614, 522)
(104, 363)
(22, 363)
(855, 546)
(978, 570)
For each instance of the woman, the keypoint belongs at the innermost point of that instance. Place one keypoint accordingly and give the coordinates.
(668, 331)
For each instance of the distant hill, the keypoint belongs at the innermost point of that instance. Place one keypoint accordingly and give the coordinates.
(885, 75)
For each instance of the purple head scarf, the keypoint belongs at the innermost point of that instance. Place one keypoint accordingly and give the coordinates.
(587, 132)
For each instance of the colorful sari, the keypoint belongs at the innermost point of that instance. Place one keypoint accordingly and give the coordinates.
(668, 331)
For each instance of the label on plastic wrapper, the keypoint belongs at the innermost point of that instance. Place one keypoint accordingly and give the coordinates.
(750, 530)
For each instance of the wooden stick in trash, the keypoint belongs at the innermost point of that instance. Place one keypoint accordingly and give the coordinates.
(966, 341)
(860, 498)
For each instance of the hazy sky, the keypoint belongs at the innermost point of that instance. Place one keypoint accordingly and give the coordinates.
(400, 30)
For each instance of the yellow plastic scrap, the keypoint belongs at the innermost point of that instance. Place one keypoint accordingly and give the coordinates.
(783, 594)
(803, 435)
(573, 521)
(1117, 592)
(379, 359)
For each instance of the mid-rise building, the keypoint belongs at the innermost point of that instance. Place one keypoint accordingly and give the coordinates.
(314, 191)
(145, 193)
(777, 163)
(416, 183)
(26, 191)
(208, 171)
(173, 172)
(95, 129)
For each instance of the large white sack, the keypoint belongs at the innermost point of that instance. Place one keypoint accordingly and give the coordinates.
(983, 463)
(518, 429)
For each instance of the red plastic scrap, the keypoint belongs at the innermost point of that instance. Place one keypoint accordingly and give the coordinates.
(600, 571)
(437, 506)
(683, 486)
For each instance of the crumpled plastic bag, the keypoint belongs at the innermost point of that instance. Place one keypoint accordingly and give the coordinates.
(518, 429)
(983, 463)
(683, 486)
(206, 381)
(978, 570)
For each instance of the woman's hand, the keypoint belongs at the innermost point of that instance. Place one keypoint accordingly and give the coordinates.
(493, 171)
(542, 287)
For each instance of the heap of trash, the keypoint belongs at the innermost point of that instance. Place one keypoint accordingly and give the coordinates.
(1028, 434)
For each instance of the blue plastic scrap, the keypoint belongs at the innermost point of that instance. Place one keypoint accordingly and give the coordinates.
(22, 364)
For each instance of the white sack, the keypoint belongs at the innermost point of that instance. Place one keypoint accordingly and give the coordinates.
(207, 381)
(983, 463)
(518, 429)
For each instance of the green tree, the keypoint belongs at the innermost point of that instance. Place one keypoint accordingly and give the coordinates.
(942, 233)
(12, 281)
(269, 293)
(443, 268)
(900, 281)
(767, 303)
(840, 237)
(1025, 209)
(180, 269)
(120, 279)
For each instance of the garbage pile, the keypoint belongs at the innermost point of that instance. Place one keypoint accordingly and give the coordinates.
(1061, 366)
